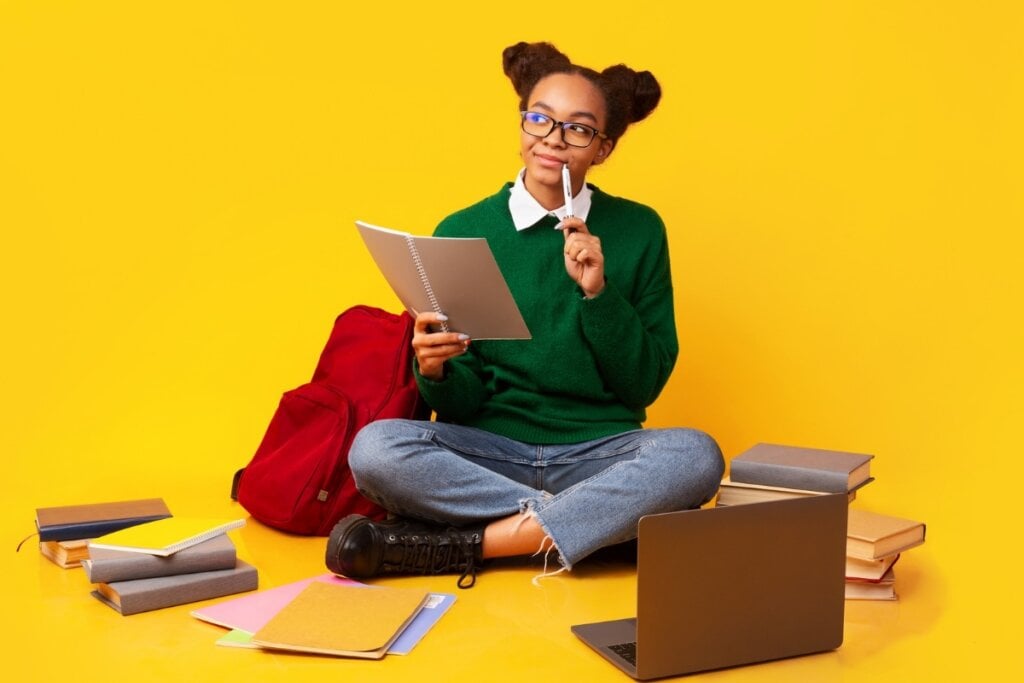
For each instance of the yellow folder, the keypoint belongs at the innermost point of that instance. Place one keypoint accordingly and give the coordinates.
(342, 620)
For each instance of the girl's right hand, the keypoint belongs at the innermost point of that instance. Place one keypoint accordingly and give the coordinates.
(434, 348)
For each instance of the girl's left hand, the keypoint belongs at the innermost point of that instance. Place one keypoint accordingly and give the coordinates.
(584, 260)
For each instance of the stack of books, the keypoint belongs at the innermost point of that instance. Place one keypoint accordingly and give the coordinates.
(873, 544)
(64, 531)
(768, 472)
(328, 615)
(772, 472)
(168, 562)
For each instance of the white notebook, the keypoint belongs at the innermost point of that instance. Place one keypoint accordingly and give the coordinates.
(451, 275)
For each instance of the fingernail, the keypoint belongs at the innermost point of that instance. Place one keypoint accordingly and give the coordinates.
(442, 317)
(463, 337)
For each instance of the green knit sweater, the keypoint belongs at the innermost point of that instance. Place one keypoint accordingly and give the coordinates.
(593, 365)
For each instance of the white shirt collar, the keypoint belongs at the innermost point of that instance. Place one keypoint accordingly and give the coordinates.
(526, 210)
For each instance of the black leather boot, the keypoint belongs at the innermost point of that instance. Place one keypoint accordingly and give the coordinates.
(359, 548)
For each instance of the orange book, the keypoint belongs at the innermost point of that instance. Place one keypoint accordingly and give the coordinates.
(66, 554)
(868, 570)
(883, 589)
(872, 536)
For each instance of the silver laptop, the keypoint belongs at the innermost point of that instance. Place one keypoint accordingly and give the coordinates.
(721, 587)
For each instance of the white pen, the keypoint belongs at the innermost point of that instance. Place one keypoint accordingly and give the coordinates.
(567, 190)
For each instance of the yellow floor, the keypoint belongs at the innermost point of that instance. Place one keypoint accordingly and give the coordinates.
(841, 186)
(504, 629)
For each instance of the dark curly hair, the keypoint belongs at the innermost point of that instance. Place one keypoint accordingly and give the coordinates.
(629, 95)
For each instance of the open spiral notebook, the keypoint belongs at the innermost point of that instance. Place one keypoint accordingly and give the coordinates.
(452, 275)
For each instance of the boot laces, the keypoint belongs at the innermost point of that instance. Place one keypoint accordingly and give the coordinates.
(436, 553)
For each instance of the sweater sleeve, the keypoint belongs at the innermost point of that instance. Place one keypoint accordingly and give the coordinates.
(459, 394)
(634, 342)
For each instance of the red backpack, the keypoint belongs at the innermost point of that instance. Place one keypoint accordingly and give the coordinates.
(299, 479)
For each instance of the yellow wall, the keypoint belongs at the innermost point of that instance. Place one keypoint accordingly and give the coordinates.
(841, 181)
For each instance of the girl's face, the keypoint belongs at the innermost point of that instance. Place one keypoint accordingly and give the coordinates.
(569, 98)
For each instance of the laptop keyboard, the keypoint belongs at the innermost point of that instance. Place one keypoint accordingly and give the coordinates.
(625, 650)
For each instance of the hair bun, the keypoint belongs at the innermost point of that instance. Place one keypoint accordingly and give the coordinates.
(526, 63)
(640, 88)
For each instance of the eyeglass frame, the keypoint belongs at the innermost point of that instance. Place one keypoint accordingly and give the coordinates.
(561, 126)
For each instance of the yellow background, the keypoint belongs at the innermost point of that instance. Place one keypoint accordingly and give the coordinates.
(842, 184)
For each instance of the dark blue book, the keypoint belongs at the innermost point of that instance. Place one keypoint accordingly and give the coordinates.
(73, 522)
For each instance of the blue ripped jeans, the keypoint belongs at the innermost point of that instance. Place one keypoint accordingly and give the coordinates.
(585, 495)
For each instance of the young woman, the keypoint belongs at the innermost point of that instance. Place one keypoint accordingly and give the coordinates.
(538, 444)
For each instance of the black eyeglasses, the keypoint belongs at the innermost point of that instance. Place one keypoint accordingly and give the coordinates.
(575, 134)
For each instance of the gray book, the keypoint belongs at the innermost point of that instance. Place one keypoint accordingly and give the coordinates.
(105, 564)
(810, 469)
(143, 595)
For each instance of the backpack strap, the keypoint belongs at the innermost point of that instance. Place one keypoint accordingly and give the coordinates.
(235, 482)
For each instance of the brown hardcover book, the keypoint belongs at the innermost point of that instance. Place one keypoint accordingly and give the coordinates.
(736, 493)
(872, 536)
(341, 620)
(143, 595)
(808, 469)
(883, 589)
(73, 522)
(106, 565)
(66, 554)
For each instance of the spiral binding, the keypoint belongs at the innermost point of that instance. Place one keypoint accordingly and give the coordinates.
(423, 278)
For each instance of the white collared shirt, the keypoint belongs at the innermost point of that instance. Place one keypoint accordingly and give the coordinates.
(526, 210)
